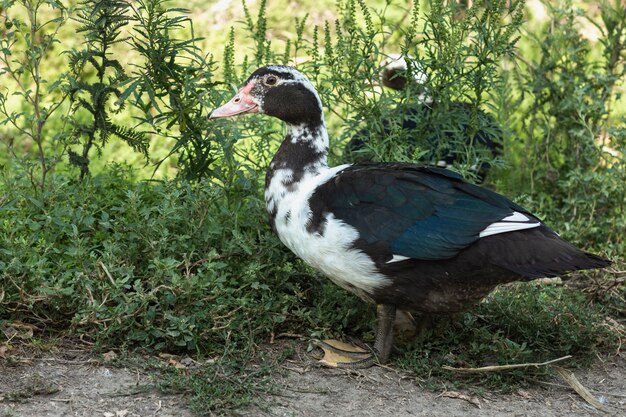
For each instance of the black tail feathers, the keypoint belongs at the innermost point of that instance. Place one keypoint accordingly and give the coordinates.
(540, 252)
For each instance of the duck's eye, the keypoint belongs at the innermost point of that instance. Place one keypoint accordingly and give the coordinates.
(271, 80)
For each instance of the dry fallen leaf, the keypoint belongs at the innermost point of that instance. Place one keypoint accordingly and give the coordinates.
(176, 364)
(171, 360)
(336, 351)
(573, 382)
(109, 356)
(3, 350)
(453, 394)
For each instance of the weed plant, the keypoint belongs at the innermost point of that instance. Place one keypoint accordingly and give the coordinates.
(101, 23)
(436, 45)
(569, 142)
(35, 148)
(141, 263)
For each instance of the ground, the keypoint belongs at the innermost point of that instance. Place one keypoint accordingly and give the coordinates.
(75, 383)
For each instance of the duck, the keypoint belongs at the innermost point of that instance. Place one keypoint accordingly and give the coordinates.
(443, 147)
(404, 237)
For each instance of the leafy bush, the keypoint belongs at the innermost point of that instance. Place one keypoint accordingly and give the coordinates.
(33, 143)
(173, 85)
(458, 56)
(163, 94)
(569, 144)
(101, 25)
(165, 265)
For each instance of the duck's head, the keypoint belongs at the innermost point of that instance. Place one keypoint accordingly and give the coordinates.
(394, 70)
(278, 91)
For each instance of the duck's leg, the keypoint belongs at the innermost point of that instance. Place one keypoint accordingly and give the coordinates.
(384, 334)
(343, 355)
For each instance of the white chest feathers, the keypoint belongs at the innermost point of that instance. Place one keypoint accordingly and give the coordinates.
(331, 252)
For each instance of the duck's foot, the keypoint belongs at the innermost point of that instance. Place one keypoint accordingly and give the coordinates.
(344, 355)
(408, 327)
(338, 354)
(405, 327)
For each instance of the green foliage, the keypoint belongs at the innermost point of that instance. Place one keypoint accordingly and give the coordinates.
(460, 50)
(527, 323)
(148, 263)
(25, 48)
(457, 57)
(572, 145)
(258, 32)
(166, 265)
(173, 84)
(102, 23)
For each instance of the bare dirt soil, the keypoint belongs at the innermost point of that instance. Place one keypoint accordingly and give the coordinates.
(70, 383)
(384, 392)
(55, 386)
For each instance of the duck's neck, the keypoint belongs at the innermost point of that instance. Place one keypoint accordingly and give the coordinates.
(302, 155)
(304, 148)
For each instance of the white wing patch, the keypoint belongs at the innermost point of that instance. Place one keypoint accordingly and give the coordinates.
(516, 221)
(397, 258)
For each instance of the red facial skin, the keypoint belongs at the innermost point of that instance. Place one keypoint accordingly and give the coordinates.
(241, 103)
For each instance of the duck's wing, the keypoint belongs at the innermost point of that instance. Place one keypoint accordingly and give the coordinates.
(404, 211)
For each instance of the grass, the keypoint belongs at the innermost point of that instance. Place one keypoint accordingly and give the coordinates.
(227, 384)
(522, 323)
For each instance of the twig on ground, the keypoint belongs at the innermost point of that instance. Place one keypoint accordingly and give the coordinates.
(503, 367)
(552, 384)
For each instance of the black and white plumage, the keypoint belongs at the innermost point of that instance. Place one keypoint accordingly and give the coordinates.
(398, 235)
(443, 147)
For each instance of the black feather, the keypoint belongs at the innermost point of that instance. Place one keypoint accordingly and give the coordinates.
(457, 283)
(422, 213)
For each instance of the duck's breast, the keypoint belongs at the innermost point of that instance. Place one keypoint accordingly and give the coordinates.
(330, 250)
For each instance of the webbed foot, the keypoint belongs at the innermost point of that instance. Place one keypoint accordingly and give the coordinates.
(338, 354)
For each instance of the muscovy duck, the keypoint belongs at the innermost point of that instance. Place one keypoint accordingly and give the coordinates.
(402, 236)
(443, 147)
